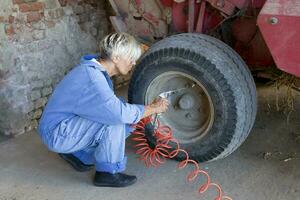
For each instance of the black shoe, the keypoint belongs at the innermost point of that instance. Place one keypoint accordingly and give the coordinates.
(104, 179)
(75, 162)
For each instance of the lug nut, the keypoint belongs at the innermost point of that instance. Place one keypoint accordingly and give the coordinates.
(188, 115)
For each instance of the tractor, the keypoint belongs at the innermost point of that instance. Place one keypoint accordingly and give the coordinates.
(214, 46)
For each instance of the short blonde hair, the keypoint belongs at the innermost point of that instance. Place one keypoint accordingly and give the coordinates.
(120, 44)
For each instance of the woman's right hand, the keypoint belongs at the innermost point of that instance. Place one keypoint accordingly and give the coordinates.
(160, 105)
(157, 106)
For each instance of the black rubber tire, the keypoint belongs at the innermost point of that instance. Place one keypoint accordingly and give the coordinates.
(226, 78)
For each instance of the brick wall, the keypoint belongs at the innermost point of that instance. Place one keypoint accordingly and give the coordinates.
(40, 41)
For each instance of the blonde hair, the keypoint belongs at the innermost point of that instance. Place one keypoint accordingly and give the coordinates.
(120, 44)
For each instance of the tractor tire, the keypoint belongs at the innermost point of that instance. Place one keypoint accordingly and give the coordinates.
(211, 119)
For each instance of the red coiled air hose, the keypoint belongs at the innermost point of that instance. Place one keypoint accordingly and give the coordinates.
(157, 155)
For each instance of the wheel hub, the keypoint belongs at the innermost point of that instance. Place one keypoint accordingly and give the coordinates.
(186, 101)
(191, 112)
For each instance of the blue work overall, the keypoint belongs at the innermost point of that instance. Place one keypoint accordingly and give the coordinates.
(84, 117)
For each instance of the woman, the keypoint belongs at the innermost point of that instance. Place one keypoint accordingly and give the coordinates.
(86, 123)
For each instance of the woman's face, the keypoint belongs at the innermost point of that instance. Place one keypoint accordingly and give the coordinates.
(124, 65)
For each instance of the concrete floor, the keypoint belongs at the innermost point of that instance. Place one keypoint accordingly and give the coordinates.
(256, 171)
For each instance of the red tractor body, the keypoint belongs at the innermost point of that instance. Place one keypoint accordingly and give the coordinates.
(279, 22)
(232, 21)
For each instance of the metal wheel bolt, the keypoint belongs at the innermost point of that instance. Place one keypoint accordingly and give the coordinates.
(273, 20)
(188, 115)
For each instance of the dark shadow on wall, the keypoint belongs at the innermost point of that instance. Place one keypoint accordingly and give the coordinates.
(12, 118)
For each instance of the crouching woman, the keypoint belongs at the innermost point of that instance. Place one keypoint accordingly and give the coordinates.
(86, 123)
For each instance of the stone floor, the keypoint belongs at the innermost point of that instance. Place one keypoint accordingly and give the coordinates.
(265, 167)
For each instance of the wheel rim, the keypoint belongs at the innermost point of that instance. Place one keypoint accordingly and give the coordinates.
(191, 112)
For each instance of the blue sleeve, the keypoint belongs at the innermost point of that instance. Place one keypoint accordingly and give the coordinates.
(122, 99)
(100, 104)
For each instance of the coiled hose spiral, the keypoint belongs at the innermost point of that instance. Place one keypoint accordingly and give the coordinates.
(168, 147)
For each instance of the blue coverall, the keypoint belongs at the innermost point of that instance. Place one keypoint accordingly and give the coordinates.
(84, 117)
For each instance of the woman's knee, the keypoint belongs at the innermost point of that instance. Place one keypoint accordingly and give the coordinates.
(115, 132)
(118, 129)
(128, 130)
